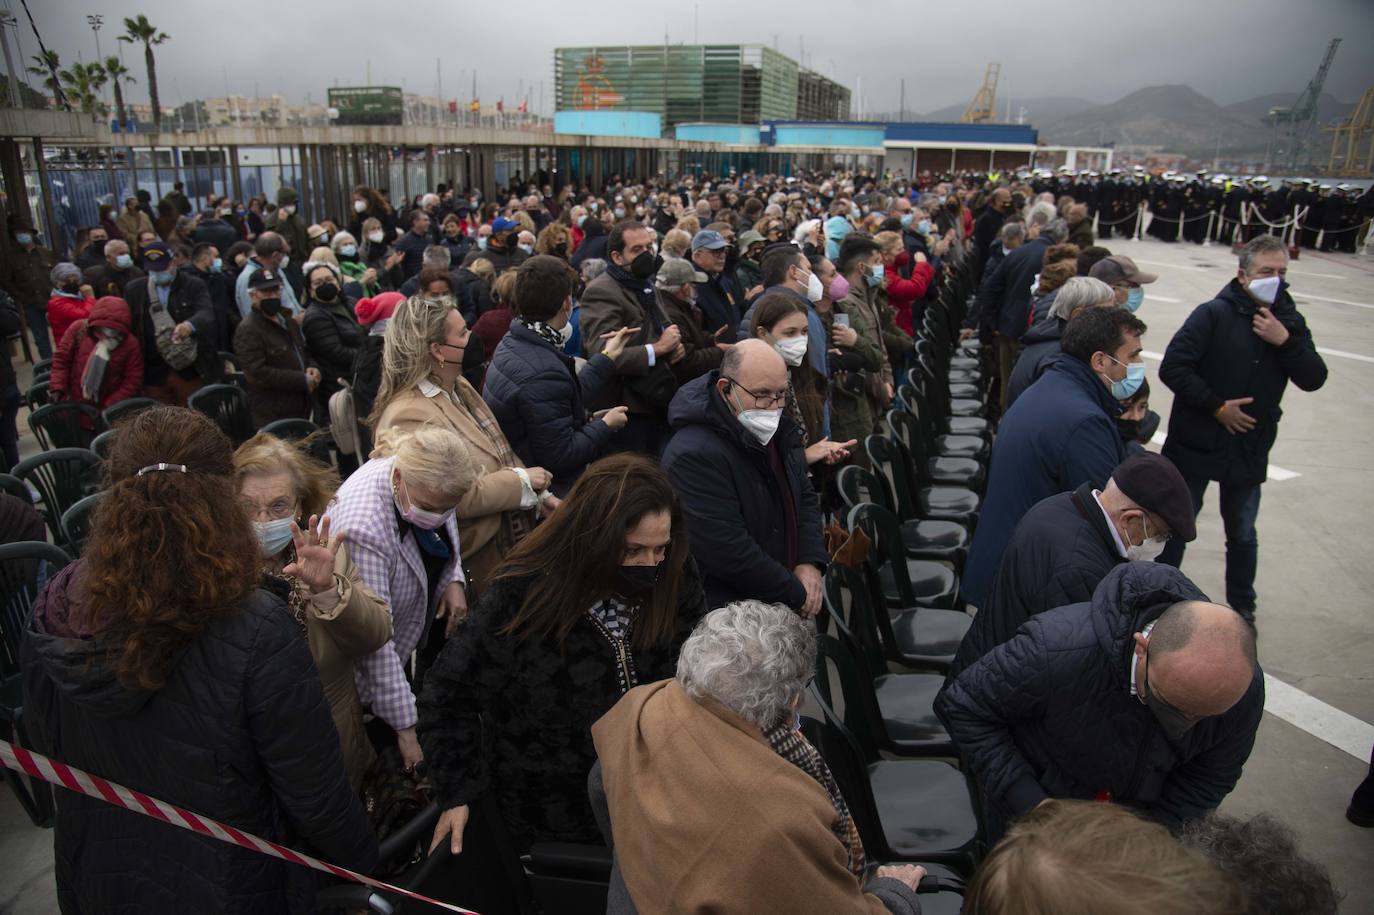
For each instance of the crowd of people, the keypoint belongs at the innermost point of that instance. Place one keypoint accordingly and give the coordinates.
(559, 544)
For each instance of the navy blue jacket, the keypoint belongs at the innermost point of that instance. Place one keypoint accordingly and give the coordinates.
(1059, 434)
(719, 306)
(1039, 348)
(1049, 713)
(538, 398)
(1216, 356)
(1004, 301)
(732, 503)
(1058, 555)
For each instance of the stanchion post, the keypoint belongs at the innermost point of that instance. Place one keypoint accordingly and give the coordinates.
(1139, 219)
(1211, 224)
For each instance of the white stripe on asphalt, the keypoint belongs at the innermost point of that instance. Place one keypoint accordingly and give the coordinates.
(1160, 298)
(1276, 473)
(1325, 722)
(1173, 266)
(1148, 354)
(1298, 297)
(1343, 354)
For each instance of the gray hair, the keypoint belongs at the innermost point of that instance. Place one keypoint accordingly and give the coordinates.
(1260, 244)
(751, 657)
(437, 256)
(1012, 231)
(1040, 213)
(1056, 230)
(593, 267)
(1261, 854)
(1080, 292)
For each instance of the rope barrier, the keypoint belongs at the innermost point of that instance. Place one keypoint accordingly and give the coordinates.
(15, 757)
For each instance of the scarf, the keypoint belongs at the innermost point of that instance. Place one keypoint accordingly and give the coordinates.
(789, 743)
(93, 378)
(613, 619)
(472, 402)
(643, 290)
(545, 332)
(794, 411)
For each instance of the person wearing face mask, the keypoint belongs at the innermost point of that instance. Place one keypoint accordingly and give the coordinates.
(94, 253)
(285, 493)
(331, 331)
(214, 229)
(1228, 366)
(676, 285)
(25, 273)
(737, 462)
(69, 301)
(427, 352)
(1066, 544)
(98, 361)
(1146, 695)
(903, 293)
(716, 297)
(280, 373)
(598, 600)
(502, 247)
(270, 251)
(174, 320)
(788, 271)
(207, 266)
(749, 273)
(533, 388)
(1137, 422)
(862, 266)
(396, 513)
(288, 223)
(115, 272)
(525, 242)
(1126, 279)
(988, 224)
(133, 222)
(1059, 434)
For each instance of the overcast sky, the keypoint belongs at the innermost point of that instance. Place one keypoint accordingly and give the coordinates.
(1228, 50)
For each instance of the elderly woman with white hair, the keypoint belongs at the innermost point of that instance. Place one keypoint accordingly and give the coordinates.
(396, 514)
(715, 799)
(1040, 345)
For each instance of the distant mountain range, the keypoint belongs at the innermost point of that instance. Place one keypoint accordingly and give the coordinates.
(1175, 119)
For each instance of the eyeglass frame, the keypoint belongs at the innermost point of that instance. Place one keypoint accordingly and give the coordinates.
(775, 401)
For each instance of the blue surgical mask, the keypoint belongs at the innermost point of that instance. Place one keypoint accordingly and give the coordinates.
(874, 275)
(528, 249)
(482, 242)
(906, 219)
(24, 238)
(619, 212)
(923, 227)
(273, 536)
(348, 250)
(581, 219)
(124, 261)
(163, 277)
(1134, 298)
(217, 265)
(1135, 376)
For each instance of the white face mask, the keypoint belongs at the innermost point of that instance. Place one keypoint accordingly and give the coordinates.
(375, 237)
(761, 424)
(359, 206)
(792, 350)
(1149, 548)
(814, 291)
(1265, 289)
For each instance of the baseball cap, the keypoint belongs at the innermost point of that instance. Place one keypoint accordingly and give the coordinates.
(709, 239)
(1153, 482)
(502, 224)
(1119, 269)
(676, 272)
(264, 278)
(157, 256)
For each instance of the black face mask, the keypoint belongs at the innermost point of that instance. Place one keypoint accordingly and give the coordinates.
(71, 287)
(645, 265)
(636, 581)
(560, 250)
(1129, 429)
(269, 307)
(326, 292)
(473, 355)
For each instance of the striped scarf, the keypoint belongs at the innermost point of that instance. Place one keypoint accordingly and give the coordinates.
(468, 398)
(789, 743)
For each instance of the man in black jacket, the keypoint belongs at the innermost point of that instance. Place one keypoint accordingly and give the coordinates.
(1066, 544)
(171, 294)
(207, 267)
(736, 463)
(115, 271)
(989, 224)
(1147, 695)
(716, 297)
(1228, 366)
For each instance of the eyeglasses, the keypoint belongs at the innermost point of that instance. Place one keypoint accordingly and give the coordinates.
(282, 508)
(764, 399)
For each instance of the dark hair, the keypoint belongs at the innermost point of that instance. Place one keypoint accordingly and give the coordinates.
(237, 248)
(616, 241)
(775, 263)
(198, 557)
(268, 243)
(542, 284)
(1089, 256)
(376, 206)
(433, 274)
(1141, 393)
(856, 245)
(571, 560)
(415, 215)
(1098, 330)
(1261, 854)
(200, 248)
(807, 386)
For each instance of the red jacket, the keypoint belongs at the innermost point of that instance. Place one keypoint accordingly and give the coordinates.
(123, 376)
(902, 293)
(63, 312)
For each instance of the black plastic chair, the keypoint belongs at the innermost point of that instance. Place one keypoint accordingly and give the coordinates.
(925, 638)
(62, 478)
(232, 372)
(291, 429)
(227, 405)
(102, 443)
(973, 426)
(906, 582)
(24, 570)
(942, 444)
(37, 395)
(76, 523)
(66, 425)
(925, 538)
(42, 367)
(931, 471)
(912, 810)
(9, 483)
(125, 408)
(912, 500)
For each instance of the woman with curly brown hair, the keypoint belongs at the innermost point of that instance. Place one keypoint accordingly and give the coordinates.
(158, 662)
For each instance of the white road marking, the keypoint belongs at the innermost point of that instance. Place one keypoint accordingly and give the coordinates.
(1343, 354)
(1325, 722)
(1298, 297)
(1152, 355)
(1174, 266)
(1276, 473)
(1161, 298)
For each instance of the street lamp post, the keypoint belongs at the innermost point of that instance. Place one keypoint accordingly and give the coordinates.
(95, 21)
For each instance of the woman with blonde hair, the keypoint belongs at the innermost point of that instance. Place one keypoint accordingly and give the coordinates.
(284, 492)
(428, 347)
(554, 239)
(677, 243)
(396, 513)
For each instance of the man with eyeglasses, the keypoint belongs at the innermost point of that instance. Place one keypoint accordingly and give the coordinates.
(737, 465)
(1147, 695)
(1066, 545)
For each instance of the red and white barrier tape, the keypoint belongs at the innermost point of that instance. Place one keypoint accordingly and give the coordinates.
(15, 757)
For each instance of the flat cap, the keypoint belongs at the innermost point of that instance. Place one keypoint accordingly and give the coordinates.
(1153, 482)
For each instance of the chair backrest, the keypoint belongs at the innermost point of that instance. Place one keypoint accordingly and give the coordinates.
(65, 425)
(102, 443)
(858, 485)
(849, 604)
(888, 551)
(61, 478)
(861, 716)
(291, 429)
(76, 522)
(25, 568)
(37, 395)
(892, 462)
(227, 405)
(125, 408)
(906, 431)
(9, 483)
(42, 366)
(847, 764)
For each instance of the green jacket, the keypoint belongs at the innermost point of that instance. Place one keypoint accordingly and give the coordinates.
(851, 410)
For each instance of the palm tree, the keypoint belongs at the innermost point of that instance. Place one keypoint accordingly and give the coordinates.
(140, 29)
(83, 82)
(46, 65)
(117, 72)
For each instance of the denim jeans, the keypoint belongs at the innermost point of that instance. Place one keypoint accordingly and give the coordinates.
(37, 317)
(1239, 510)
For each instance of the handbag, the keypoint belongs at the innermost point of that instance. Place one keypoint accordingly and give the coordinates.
(178, 354)
(394, 797)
